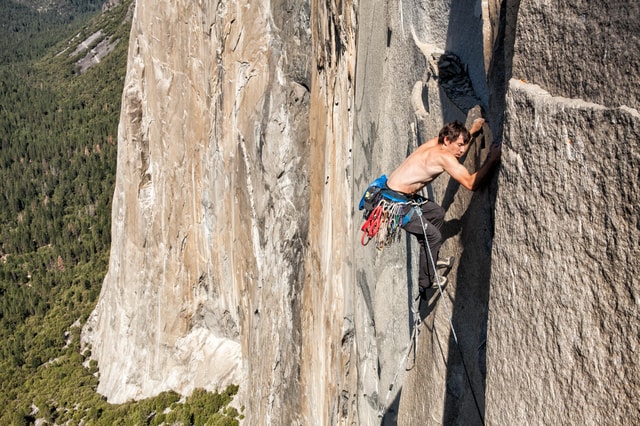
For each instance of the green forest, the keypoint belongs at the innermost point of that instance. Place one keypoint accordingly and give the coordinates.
(58, 146)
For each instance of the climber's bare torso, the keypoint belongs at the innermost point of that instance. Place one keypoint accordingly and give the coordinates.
(417, 170)
(431, 159)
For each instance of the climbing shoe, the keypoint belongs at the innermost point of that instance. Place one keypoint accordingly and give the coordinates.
(445, 263)
(422, 292)
(440, 280)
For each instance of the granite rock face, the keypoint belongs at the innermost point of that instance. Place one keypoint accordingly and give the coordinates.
(565, 295)
(248, 132)
(203, 288)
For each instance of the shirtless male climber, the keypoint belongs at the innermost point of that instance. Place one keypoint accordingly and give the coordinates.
(428, 161)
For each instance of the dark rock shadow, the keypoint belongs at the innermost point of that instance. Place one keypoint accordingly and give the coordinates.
(464, 398)
(390, 417)
(466, 368)
(466, 359)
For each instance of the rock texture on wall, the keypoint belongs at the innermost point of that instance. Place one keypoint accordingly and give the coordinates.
(209, 212)
(565, 292)
(250, 129)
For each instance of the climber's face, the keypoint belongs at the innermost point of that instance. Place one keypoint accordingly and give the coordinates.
(457, 147)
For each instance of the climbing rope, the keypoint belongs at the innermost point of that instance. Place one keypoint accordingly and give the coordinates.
(413, 343)
(453, 331)
(415, 330)
(383, 223)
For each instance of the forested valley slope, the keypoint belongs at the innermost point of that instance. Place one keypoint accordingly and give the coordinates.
(62, 68)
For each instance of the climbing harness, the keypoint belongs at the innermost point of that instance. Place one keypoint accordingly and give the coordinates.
(385, 212)
(415, 328)
(384, 222)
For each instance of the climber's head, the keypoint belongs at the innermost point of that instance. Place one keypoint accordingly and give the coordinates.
(452, 131)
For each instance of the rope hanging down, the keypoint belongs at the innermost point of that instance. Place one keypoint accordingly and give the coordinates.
(415, 329)
(413, 343)
(453, 331)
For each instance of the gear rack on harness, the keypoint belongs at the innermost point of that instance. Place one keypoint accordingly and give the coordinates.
(385, 212)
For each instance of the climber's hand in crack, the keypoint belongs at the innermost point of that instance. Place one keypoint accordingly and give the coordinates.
(476, 127)
(495, 152)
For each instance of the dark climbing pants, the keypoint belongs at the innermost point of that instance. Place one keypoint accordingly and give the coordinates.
(433, 218)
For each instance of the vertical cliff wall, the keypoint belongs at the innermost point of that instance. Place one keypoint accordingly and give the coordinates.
(329, 366)
(249, 131)
(210, 208)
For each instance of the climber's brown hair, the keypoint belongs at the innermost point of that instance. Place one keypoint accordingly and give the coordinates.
(453, 130)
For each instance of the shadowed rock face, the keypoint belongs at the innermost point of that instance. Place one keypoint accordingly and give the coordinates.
(249, 131)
